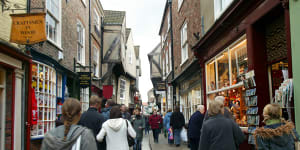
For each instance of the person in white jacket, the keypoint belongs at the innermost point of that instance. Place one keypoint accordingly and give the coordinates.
(115, 131)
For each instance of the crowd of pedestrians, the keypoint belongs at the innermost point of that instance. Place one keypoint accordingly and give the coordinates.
(112, 128)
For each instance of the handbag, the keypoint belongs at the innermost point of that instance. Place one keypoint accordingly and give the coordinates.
(130, 140)
(297, 142)
(170, 134)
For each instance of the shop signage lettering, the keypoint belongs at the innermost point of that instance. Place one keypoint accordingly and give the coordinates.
(28, 28)
(84, 79)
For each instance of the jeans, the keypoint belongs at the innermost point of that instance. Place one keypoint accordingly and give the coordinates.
(155, 134)
(137, 145)
(147, 130)
(194, 143)
(177, 137)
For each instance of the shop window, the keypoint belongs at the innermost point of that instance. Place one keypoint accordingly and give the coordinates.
(53, 21)
(59, 85)
(44, 84)
(211, 76)
(84, 99)
(227, 67)
(279, 73)
(239, 61)
(223, 70)
(122, 89)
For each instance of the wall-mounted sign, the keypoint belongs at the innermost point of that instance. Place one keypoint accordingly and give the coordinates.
(28, 28)
(84, 79)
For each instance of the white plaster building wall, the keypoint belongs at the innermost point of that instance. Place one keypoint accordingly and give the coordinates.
(130, 54)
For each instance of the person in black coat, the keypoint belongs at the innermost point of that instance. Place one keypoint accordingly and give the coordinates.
(194, 128)
(125, 114)
(177, 122)
(220, 133)
(93, 120)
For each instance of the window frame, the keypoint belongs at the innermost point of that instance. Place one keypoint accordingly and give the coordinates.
(96, 60)
(82, 50)
(56, 19)
(184, 43)
(97, 19)
(122, 91)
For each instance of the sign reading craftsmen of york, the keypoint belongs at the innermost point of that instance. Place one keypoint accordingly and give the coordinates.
(84, 79)
(28, 28)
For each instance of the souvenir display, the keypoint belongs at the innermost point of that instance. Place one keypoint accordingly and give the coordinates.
(44, 85)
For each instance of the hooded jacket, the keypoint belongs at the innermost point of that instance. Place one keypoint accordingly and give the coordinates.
(276, 137)
(167, 119)
(54, 139)
(115, 133)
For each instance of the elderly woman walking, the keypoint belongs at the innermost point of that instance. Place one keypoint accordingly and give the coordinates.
(278, 134)
(218, 132)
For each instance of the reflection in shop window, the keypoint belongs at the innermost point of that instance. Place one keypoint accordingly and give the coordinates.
(239, 61)
(223, 70)
(211, 76)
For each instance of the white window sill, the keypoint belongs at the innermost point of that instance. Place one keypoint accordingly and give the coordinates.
(55, 44)
(183, 62)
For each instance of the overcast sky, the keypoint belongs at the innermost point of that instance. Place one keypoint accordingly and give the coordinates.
(144, 18)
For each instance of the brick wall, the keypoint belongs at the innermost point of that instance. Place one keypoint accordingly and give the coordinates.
(190, 13)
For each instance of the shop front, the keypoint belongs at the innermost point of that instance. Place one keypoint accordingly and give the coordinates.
(52, 83)
(190, 96)
(14, 96)
(248, 61)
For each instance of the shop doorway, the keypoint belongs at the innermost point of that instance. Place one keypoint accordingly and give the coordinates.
(2, 108)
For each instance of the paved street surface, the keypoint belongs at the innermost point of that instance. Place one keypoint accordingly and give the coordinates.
(163, 144)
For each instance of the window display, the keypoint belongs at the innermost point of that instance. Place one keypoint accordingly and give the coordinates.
(239, 61)
(223, 70)
(211, 76)
(44, 84)
(224, 75)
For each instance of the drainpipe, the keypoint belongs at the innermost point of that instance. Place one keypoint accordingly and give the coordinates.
(172, 51)
(101, 50)
(90, 50)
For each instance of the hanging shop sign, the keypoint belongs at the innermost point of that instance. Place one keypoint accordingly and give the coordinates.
(28, 28)
(84, 79)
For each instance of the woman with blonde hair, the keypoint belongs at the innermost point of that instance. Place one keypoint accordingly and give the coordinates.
(277, 134)
(219, 132)
(70, 135)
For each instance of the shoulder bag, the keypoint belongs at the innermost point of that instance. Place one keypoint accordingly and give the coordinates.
(130, 140)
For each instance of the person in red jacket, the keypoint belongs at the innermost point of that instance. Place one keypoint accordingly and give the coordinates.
(154, 121)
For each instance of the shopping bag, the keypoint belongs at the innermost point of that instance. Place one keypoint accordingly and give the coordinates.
(183, 135)
(170, 134)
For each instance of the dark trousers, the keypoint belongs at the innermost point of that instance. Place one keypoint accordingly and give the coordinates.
(147, 130)
(137, 145)
(155, 134)
(194, 143)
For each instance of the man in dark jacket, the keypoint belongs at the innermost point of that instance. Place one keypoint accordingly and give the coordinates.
(93, 120)
(125, 114)
(195, 125)
(177, 122)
